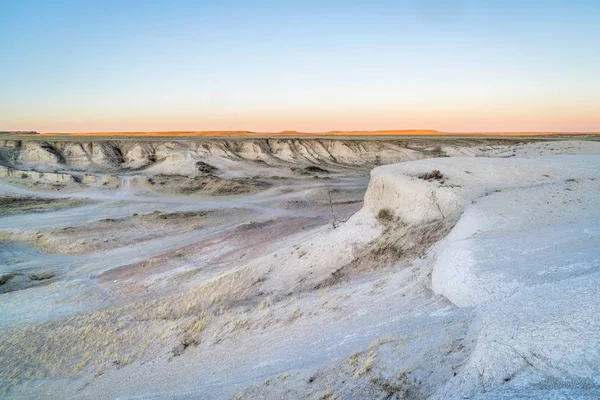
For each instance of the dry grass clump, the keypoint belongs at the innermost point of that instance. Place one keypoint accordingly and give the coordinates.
(385, 215)
(294, 315)
(328, 394)
(398, 242)
(116, 336)
(190, 333)
(401, 241)
(402, 387)
(367, 365)
(264, 305)
(362, 362)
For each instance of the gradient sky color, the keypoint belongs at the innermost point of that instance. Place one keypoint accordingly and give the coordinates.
(302, 65)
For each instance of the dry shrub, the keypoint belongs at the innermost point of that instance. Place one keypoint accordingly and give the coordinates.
(42, 276)
(385, 215)
(190, 333)
(433, 175)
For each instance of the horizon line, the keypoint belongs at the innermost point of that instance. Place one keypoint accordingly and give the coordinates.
(381, 132)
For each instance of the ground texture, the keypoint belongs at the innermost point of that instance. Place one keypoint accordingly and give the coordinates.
(299, 268)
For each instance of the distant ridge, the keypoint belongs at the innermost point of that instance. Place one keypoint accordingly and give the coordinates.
(251, 133)
(292, 133)
(288, 133)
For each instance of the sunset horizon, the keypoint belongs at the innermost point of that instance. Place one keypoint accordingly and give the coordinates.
(288, 132)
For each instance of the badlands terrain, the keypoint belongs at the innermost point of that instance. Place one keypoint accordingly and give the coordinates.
(439, 267)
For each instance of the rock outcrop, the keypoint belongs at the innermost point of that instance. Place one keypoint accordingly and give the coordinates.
(34, 176)
(125, 153)
(524, 251)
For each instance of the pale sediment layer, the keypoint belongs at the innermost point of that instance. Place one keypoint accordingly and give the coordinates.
(465, 269)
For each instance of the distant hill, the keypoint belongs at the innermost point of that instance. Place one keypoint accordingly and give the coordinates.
(250, 133)
(291, 133)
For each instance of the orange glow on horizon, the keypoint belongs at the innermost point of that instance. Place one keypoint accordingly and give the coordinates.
(483, 120)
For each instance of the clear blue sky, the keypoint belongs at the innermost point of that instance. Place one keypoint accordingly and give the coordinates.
(304, 65)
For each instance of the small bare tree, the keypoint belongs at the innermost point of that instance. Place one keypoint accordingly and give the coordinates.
(329, 198)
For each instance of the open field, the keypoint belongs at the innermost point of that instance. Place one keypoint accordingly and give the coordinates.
(318, 267)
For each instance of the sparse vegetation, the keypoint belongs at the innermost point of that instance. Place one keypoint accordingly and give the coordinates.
(367, 366)
(399, 241)
(42, 276)
(310, 170)
(354, 359)
(6, 277)
(116, 336)
(207, 184)
(22, 205)
(400, 387)
(206, 168)
(294, 315)
(363, 362)
(433, 175)
(265, 304)
(385, 215)
(190, 332)
(328, 395)
(105, 233)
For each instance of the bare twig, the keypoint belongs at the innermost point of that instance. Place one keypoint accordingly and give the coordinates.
(330, 200)
(433, 198)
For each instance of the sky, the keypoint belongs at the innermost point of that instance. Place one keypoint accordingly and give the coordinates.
(306, 65)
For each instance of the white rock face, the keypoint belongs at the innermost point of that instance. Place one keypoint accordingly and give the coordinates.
(509, 236)
(542, 229)
(131, 154)
(34, 176)
(37, 153)
(546, 336)
(398, 188)
(526, 252)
